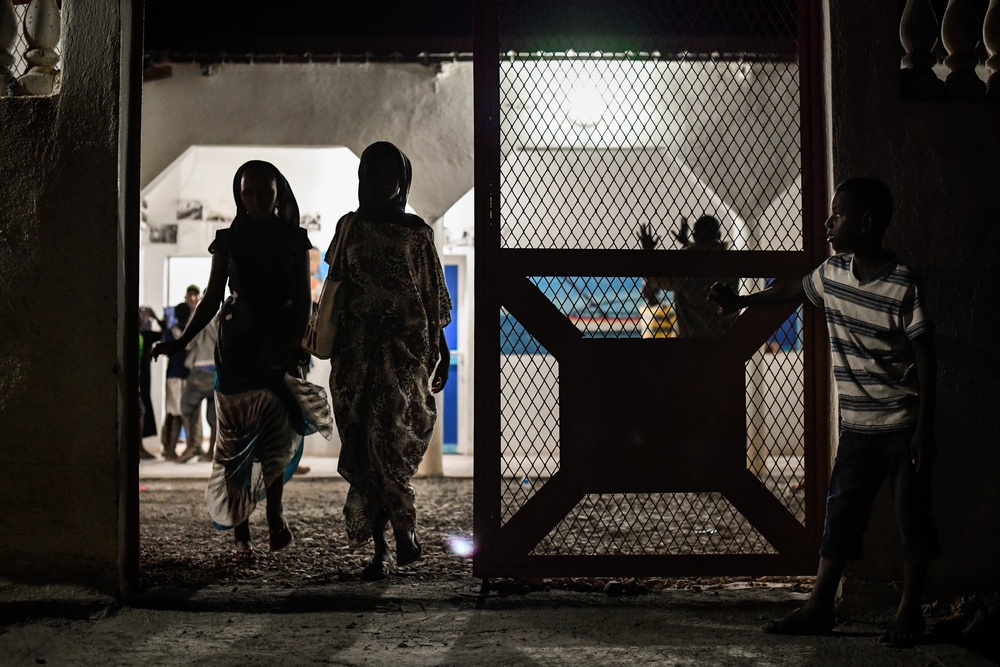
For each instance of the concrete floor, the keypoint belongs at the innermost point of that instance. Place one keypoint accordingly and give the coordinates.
(446, 623)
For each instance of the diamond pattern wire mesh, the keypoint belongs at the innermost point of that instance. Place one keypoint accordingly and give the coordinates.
(595, 143)
(529, 416)
(775, 416)
(616, 115)
(653, 524)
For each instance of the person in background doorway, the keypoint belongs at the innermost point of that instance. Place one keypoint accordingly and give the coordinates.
(199, 386)
(883, 364)
(150, 330)
(696, 316)
(176, 374)
(389, 357)
(264, 407)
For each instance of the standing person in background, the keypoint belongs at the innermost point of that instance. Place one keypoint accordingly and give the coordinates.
(264, 408)
(176, 374)
(150, 330)
(389, 356)
(200, 386)
(696, 316)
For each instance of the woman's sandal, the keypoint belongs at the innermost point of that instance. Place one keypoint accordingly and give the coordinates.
(279, 539)
(407, 547)
(244, 555)
(377, 570)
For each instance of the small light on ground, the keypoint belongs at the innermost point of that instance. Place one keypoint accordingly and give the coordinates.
(460, 545)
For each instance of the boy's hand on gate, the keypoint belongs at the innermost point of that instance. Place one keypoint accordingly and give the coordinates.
(726, 298)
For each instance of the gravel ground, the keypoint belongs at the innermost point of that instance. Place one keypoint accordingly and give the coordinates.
(180, 548)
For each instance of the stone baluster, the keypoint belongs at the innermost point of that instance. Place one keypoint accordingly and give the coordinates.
(41, 31)
(960, 33)
(8, 33)
(918, 33)
(991, 38)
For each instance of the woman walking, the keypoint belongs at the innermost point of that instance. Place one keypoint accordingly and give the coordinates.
(264, 408)
(389, 356)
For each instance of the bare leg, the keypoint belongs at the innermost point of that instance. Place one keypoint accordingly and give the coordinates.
(909, 624)
(815, 617)
(407, 546)
(280, 534)
(242, 548)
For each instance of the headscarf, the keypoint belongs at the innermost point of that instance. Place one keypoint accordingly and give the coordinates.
(383, 155)
(286, 208)
(264, 251)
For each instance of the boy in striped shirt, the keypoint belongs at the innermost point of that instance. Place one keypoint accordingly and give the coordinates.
(883, 364)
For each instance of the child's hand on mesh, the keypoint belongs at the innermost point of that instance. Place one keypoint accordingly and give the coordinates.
(684, 233)
(647, 239)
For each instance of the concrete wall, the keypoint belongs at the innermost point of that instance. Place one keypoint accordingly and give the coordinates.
(425, 110)
(61, 241)
(940, 160)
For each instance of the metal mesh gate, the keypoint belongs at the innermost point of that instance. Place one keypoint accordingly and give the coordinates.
(622, 426)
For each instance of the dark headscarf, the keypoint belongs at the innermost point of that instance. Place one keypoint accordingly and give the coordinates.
(265, 251)
(383, 157)
(286, 208)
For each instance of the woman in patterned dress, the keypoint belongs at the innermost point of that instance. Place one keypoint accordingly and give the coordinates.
(264, 408)
(390, 356)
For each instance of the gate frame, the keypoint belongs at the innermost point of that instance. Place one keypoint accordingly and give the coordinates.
(487, 288)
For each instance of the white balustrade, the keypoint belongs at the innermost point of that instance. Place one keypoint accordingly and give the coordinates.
(991, 39)
(8, 33)
(960, 33)
(42, 27)
(918, 33)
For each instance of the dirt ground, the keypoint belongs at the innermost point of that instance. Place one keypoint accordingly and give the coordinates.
(305, 605)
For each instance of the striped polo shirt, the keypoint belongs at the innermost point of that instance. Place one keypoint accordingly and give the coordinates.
(871, 324)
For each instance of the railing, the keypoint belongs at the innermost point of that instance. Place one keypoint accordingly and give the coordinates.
(29, 37)
(964, 74)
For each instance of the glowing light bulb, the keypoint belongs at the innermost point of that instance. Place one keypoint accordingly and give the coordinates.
(586, 103)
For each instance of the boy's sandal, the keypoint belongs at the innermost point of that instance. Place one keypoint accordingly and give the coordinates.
(797, 623)
(894, 637)
(279, 539)
(244, 555)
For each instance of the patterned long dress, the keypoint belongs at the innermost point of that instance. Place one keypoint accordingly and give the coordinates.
(263, 413)
(396, 305)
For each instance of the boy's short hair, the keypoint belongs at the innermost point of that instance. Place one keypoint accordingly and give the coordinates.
(872, 195)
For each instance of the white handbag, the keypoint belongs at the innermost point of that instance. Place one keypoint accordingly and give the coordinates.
(322, 330)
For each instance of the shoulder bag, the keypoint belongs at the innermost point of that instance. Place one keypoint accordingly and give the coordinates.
(322, 330)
